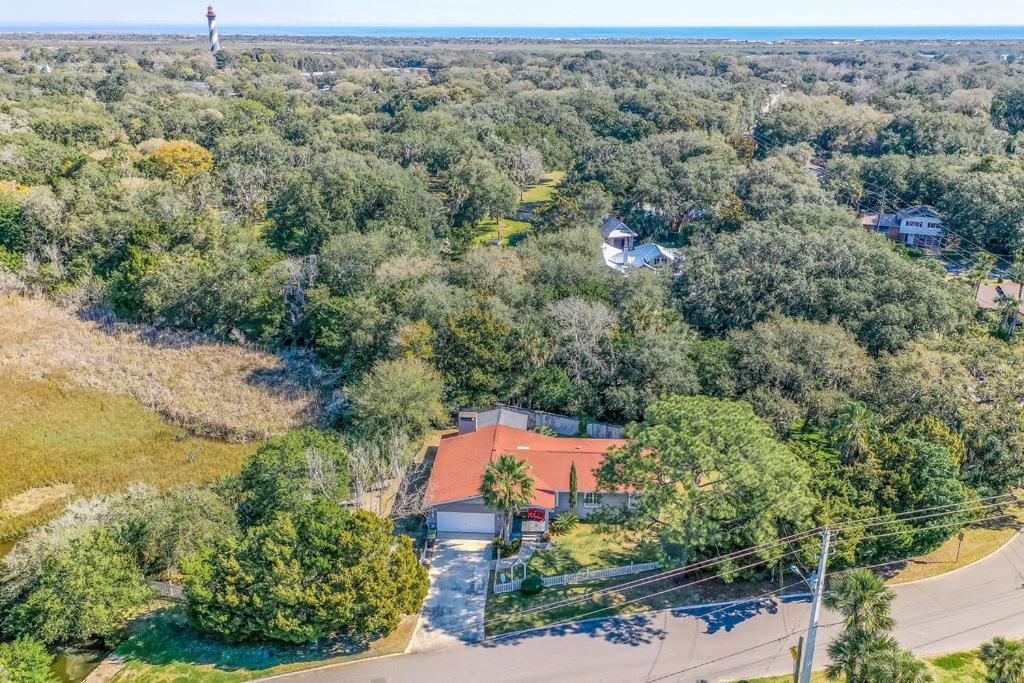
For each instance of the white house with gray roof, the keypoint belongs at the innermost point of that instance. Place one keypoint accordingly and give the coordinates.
(621, 252)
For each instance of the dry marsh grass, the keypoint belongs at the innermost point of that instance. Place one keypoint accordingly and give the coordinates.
(212, 389)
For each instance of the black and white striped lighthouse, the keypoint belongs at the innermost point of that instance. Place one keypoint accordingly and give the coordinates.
(211, 19)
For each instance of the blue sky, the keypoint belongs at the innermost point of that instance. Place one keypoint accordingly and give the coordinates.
(523, 12)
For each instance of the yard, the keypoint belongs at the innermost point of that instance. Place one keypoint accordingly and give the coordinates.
(585, 547)
(542, 191)
(162, 647)
(501, 230)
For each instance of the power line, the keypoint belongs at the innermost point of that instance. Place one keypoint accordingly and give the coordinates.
(781, 638)
(661, 576)
(618, 605)
(849, 526)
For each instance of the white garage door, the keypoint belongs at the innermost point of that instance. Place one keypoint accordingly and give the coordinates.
(466, 522)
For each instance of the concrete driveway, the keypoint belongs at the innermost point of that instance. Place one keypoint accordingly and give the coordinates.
(454, 609)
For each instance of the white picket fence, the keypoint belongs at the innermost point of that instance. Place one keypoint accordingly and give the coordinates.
(610, 572)
(579, 577)
(508, 586)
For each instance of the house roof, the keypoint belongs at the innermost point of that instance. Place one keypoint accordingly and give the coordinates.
(613, 227)
(640, 257)
(651, 251)
(991, 296)
(871, 220)
(919, 212)
(461, 460)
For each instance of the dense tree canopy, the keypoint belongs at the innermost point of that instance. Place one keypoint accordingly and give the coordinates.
(378, 209)
(712, 476)
(307, 574)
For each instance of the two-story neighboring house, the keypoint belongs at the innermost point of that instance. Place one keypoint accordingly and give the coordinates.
(917, 226)
(453, 491)
(621, 252)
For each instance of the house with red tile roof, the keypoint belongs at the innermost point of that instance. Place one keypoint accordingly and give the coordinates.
(453, 491)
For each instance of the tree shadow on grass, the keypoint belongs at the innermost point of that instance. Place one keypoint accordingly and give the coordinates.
(164, 637)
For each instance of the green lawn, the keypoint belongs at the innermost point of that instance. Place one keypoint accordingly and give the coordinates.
(583, 548)
(162, 647)
(493, 229)
(541, 192)
(504, 612)
(958, 667)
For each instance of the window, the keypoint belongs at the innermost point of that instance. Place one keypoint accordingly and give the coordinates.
(633, 500)
(591, 499)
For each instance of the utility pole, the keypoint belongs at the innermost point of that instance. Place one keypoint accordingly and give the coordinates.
(819, 590)
(881, 210)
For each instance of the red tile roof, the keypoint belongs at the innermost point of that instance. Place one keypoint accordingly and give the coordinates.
(461, 460)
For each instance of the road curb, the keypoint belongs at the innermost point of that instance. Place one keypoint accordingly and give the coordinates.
(954, 571)
(324, 667)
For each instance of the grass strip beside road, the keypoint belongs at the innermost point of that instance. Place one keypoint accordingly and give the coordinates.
(161, 646)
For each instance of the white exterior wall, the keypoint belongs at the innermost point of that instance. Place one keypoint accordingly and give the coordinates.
(917, 228)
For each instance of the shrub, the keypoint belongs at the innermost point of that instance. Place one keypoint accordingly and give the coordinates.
(89, 590)
(564, 523)
(508, 549)
(25, 661)
(288, 471)
(308, 573)
(532, 585)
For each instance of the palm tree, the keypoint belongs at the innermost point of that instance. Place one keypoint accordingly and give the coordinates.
(865, 603)
(507, 486)
(896, 665)
(853, 430)
(1004, 660)
(982, 268)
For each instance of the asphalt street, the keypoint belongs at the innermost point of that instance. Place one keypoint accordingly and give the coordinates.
(956, 611)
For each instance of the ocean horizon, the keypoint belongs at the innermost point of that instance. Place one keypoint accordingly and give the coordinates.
(738, 33)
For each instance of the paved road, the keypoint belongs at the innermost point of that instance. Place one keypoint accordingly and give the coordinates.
(953, 612)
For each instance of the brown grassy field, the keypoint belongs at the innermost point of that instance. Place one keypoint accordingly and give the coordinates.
(212, 389)
(85, 409)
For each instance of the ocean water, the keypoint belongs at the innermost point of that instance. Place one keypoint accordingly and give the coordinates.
(742, 33)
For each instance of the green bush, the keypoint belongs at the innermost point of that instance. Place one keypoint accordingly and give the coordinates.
(508, 549)
(564, 523)
(309, 573)
(25, 661)
(532, 585)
